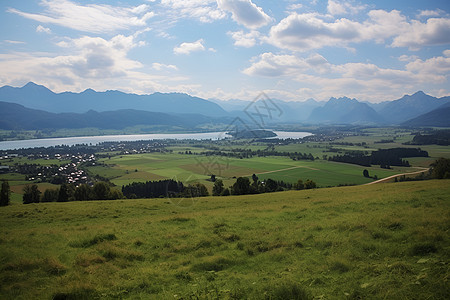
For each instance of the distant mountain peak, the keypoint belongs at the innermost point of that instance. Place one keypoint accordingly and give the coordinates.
(419, 93)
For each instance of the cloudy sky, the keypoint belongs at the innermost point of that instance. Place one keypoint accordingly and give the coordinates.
(229, 49)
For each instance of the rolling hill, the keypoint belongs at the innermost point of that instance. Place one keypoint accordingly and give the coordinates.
(439, 117)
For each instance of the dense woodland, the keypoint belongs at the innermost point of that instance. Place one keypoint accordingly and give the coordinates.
(382, 157)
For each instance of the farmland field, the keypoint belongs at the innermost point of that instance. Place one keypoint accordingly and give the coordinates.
(386, 241)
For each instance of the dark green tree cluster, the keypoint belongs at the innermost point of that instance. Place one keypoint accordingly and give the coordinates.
(382, 157)
(66, 192)
(5, 193)
(164, 188)
(245, 186)
(441, 168)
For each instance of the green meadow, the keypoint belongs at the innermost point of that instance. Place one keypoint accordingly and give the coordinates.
(384, 241)
(122, 170)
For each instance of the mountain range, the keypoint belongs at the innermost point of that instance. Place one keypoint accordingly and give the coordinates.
(36, 107)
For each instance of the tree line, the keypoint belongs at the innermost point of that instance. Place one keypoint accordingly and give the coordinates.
(382, 157)
(243, 186)
(66, 192)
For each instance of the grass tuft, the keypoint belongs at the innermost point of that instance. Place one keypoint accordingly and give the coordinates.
(93, 241)
(289, 291)
(423, 249)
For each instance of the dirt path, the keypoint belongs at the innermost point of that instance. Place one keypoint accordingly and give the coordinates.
(397, 175)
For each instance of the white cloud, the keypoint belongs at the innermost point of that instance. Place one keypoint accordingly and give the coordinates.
(245, 12)
(205, 11)
(435, 31)
(431, 13)
(302, 32)
(14, 42)
(294, 6)
(336, 7)
(273, 65)
(246, 40)
(164, 67)
(43, 29)
(407, 57)
(187, 48)
(90, 18)
(360, 80)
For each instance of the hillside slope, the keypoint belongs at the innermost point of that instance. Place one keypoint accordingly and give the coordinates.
(386, 241)
(440, 117)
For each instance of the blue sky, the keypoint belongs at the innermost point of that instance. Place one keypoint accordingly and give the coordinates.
(229, 49)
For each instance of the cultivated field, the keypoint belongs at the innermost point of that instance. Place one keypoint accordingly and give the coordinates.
(384, 241)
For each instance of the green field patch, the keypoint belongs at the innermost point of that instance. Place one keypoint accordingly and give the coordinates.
(106, 171)
(18, 189)
(383, 241)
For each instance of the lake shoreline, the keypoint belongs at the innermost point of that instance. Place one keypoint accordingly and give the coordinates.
(94, 140)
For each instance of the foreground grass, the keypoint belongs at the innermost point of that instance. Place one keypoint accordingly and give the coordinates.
(381, 241)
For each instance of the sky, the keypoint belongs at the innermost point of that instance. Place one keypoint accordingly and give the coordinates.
(230, 49)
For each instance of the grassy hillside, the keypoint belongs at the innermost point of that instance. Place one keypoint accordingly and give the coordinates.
(365, 242)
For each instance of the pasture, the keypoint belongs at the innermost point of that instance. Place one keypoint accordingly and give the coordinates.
(385, 241)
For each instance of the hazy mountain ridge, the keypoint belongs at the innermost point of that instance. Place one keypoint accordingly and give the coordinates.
(39, 97)
(439, 117)
(17, 117)
(345, 111)
(120, 106)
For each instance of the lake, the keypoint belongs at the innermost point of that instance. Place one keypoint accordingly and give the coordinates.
(70, 141)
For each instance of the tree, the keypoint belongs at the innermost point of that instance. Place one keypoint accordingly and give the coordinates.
(82, 193)
(271, 185)
(441, 168)
(226, 192)
(116, 194)
(309, 184)
(299, 185)
(5, 194)
(50, 195)
(101, 190)
(218, 187)
(366, 173)
(63, 194)
(241, 186)
(31, 194)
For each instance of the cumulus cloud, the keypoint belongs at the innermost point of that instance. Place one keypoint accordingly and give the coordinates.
(205, 11)
(92, 18)
(243, 39)
(435, 31)
(274, 65)
(302, 32)
(365, 80)
(88, 61)
(245, 12)
(187, 48)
